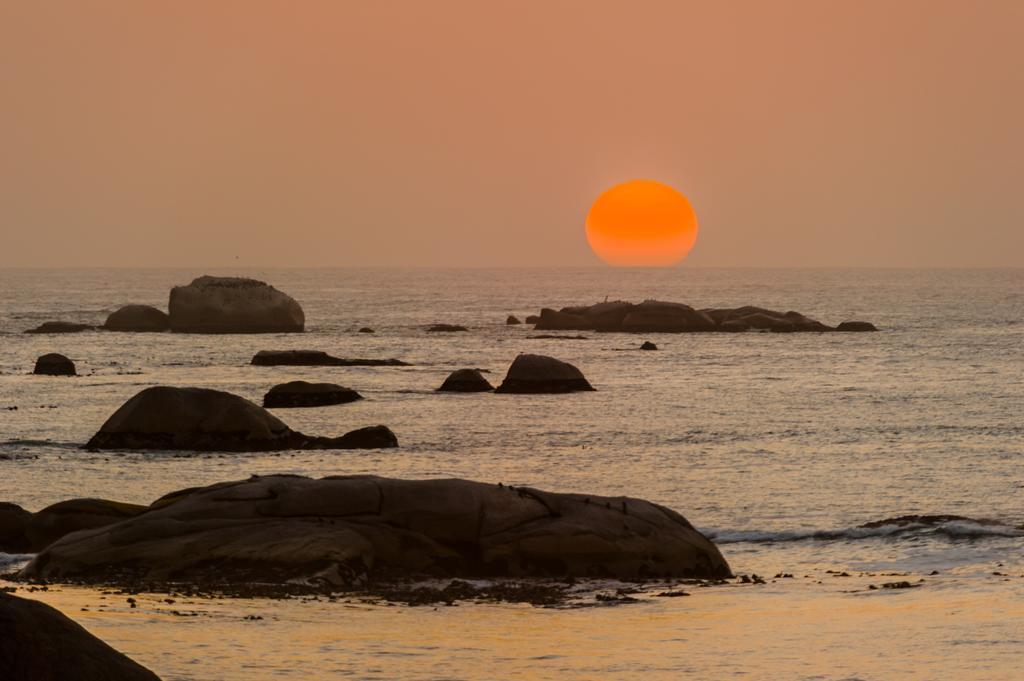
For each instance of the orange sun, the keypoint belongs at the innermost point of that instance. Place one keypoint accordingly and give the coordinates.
(641, 223)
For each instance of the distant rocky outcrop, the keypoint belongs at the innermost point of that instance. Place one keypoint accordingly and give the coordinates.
(233, 305)
(856, 326)
(137, 318)
(61, 327)
(54, 364)
(316, 358)
(542, 374)
(38, 643)
(466, 381)
(303, 394)
(199, 419)
(512, 319)
(655, 316)
(445, 328)
(342, 530)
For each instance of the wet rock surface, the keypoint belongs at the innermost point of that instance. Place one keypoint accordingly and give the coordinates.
(38, 643)
(345, 530)
(302, 394)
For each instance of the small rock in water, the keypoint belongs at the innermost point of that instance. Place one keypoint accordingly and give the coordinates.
(648, 345)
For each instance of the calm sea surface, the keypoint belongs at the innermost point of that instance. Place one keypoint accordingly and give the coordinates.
(777, 445)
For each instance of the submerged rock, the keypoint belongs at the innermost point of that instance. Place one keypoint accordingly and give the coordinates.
(233, 305)
(65, 517)
(303, 394)
(445, 328)
(38, 643)
(648, 345)
(138, 318)
(200, 419)
(316, 358)
(466, 381)
(856, 326)
(61, 327)
(54, 364)
(512, 319)
(366, 329)
(542, 374)
(341, 530)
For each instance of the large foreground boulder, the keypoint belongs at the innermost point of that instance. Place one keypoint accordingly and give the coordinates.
(316, 358)
(61, 327)
(233, 305)
(303, 394)
(144, 318)
(466, 381)
(199, 419)
(344, 529)
(54, 364)
(39, 643)
(542, 374)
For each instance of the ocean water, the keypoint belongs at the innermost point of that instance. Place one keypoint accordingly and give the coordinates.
(777, 445)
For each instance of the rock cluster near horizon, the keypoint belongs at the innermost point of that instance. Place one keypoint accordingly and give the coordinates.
(654, 316)
(200, 419)
(341, 530)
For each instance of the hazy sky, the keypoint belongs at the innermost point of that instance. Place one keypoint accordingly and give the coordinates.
(478, 133)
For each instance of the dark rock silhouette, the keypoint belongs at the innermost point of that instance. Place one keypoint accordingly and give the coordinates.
(38, 643)
(648, 345)
(65, 517)
(54, 364)
(303, 394)
(14, 522)
(199, 419)
(316, 358)
(512, 319)
(655, 316)
(856, 326)
(137, 318)
(445, 328)
(466, 381)
(532, 319)
(366, 329)
(542, 374)
(61, 327)
(341, 530)
(233, 305)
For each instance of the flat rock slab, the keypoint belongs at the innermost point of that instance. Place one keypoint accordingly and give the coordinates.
(303, 394)
(61, 327)
(316, 358)
(342, 530)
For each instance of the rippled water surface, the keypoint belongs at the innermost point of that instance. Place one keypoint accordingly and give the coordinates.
(778, 445)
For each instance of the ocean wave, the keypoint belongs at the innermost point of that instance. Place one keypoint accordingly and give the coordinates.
(950, 527)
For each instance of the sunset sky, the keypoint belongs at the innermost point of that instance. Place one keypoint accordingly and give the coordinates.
(478, 133)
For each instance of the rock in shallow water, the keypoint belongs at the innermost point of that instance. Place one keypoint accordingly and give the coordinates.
(342, 529)
(61, 327)
(199, 419)
(54, 364)
(542, 374)
(139, 318)
(856, 326)
(466, 381)
(38, 643)
(233, 305)
(316, 358)
(303, 394)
